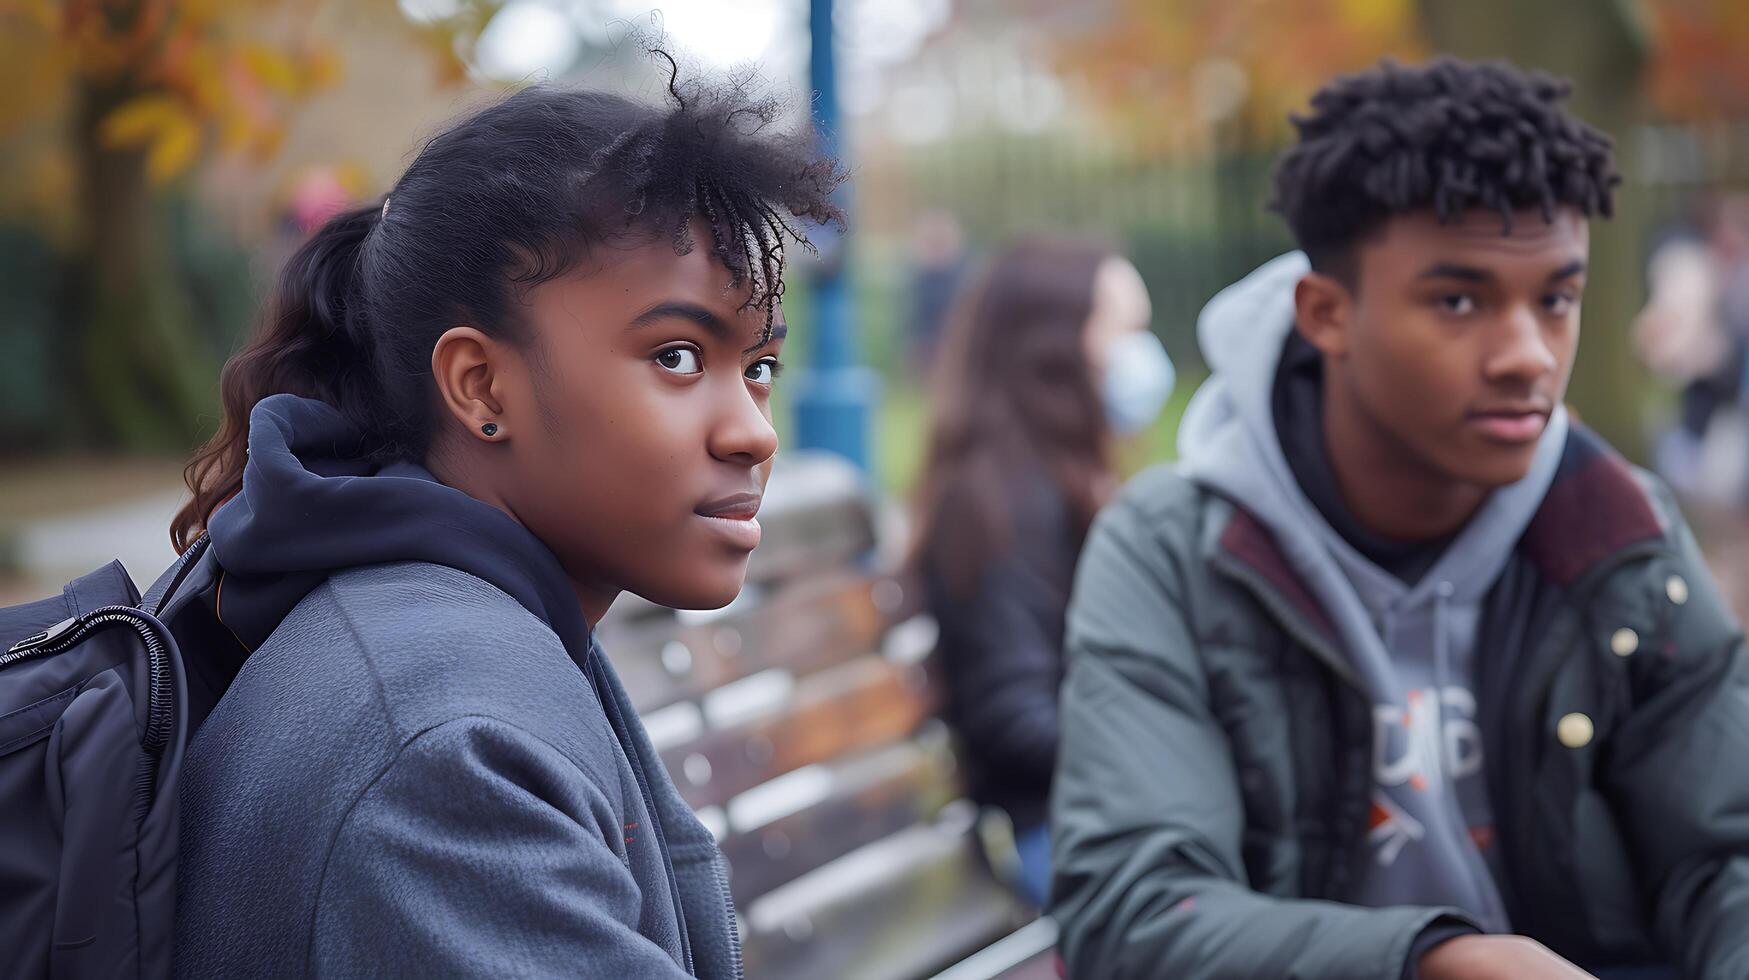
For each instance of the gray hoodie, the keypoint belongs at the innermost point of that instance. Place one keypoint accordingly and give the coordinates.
(1413, 646)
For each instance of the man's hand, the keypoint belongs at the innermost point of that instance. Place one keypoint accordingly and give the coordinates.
(1496, 958)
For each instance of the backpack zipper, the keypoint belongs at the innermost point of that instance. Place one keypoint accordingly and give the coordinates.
(67, 634)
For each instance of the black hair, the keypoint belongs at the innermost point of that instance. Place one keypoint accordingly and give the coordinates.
(1449, 136)
(510, 197)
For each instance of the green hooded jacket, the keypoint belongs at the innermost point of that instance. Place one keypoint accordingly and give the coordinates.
(1213, 785)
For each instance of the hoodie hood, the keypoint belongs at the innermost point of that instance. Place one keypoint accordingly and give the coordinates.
(1228, 442)
(312, 505)
(1412, 646)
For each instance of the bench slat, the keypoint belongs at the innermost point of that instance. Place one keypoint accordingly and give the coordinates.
(933, 904)
(807, 626)
(866, 798)
(860, 705)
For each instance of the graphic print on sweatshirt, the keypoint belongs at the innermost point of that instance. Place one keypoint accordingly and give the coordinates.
(1430, 744)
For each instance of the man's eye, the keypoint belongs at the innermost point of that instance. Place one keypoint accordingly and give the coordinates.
(679, 360)
(1457, 304)
(764, 371)
(1559, 304)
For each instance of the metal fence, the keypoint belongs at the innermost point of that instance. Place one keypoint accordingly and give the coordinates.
(1191, 226)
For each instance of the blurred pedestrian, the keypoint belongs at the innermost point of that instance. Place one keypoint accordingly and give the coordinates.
(1046, 359)
(1694, 334)
(937, 265)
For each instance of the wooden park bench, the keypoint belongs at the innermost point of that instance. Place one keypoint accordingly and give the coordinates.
(799, 723)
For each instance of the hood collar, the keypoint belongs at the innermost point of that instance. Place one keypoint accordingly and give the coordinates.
(313, 504)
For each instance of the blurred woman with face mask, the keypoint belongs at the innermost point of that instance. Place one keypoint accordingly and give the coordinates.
(1046, 361)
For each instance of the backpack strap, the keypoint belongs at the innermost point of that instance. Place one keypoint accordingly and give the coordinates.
(184, 598)
(158, 597)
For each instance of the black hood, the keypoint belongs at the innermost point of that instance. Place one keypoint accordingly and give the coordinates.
(312, 505)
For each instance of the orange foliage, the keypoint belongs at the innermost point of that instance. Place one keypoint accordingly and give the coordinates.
(1149, 62)
(179, 76)
(1172, 66)
(1701, 70)
(177, 80)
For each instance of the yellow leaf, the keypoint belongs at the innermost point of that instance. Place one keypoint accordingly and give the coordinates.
(159, 123)
(140, 119)
(235, 133)
(174, 150)
(322, 67)
(274, 68)
(206, 77)
(1379, 16)
(353, 177)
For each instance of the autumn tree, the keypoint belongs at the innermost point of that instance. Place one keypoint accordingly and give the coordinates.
(1149, 63)
(108, 108)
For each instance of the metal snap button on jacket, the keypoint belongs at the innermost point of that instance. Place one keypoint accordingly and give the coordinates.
(1624, 642)
(1677, 589)
(1574, 730)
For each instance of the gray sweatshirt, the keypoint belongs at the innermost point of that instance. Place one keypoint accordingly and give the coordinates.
(1413, 646)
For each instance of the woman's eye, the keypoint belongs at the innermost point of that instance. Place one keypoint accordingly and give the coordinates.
(1457, 304)
(764, 371)
(679, 360)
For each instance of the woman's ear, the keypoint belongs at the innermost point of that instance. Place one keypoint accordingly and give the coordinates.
(1323, 312)
(469, 369)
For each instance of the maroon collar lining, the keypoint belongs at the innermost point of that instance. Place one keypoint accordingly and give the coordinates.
(1251, 543)
(1594, 509)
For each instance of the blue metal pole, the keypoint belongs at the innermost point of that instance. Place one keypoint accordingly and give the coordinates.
(836, 394)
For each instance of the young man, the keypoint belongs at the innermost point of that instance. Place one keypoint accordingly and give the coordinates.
(1400, 672)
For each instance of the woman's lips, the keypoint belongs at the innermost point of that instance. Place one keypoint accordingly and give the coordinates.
(734, 518)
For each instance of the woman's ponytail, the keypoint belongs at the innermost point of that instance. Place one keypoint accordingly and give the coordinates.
(512, 196)
(313, 343)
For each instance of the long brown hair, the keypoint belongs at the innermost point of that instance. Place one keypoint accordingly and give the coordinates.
(1013, 399)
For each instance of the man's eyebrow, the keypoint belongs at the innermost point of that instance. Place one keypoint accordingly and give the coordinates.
(1449, 270)
(1568, 271)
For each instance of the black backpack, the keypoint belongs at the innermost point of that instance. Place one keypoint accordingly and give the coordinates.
(98, 699)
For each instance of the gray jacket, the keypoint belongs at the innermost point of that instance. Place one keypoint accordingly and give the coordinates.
(425, 766)
(411, 777)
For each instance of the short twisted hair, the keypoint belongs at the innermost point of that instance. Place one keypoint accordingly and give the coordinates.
(1449, 136)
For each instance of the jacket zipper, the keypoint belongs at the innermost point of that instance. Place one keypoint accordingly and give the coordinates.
(1289, 620)
(1351, 805)
(185, 562)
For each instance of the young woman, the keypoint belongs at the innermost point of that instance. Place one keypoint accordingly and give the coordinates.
(535, 375)
(1048, 357)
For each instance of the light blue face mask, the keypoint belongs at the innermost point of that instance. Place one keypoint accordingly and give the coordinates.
(1138, 380)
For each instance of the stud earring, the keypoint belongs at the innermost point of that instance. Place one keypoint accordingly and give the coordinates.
(490, 428)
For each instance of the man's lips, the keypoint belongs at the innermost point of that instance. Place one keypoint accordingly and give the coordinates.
(1514, 424)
